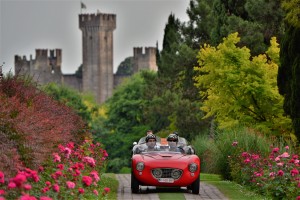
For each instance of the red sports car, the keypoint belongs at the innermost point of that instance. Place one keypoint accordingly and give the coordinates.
(164, 168)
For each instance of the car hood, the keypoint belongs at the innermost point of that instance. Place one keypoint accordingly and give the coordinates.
(162, 156)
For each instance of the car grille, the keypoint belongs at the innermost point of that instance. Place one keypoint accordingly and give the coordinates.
(167, 173)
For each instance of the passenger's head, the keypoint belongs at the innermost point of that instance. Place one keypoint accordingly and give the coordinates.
(150, 140)
(172, 140)
(149, 132)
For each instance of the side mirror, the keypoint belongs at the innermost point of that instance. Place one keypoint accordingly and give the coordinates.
(135, 143)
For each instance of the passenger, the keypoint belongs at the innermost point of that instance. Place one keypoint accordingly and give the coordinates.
(151, 142)
(172, 142)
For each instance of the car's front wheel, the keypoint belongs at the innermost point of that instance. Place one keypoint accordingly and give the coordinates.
(195, 187)
(135, 186)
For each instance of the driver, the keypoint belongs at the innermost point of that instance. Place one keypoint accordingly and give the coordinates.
(151, 142)
(172, 142)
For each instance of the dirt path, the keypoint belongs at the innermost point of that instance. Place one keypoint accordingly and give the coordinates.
(207, 192)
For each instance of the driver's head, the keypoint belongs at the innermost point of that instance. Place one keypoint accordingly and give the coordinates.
(172, 140)
(150, 140)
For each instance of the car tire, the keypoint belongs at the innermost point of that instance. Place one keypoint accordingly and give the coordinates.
(195, 187)
(135, 186)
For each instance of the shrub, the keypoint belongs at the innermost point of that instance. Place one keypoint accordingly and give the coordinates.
(32, 125)
(276, 174)
(74, 172)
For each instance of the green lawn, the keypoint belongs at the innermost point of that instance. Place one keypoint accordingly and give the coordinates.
(231, 190)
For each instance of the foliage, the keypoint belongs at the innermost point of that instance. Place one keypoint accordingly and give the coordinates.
(126, 67)
(31, 124)
(217, 150)
(70, 98)
(288, 72)
(276, 174)
(73, 173)
(292, 12)
(241, 90)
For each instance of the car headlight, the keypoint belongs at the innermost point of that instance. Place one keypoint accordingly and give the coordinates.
(140, 166)
(176, 173)
(157, 173)
(193, 167)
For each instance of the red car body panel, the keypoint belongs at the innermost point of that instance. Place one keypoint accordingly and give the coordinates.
(154, 160)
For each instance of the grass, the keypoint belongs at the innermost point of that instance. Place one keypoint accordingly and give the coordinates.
(230, 189)
(107, 180)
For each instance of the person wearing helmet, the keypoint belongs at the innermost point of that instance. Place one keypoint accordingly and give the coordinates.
(150, 142)
(172, 142)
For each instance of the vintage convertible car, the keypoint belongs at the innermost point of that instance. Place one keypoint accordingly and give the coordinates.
(164, 168)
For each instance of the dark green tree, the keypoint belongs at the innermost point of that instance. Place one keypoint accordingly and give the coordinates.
(289, 71)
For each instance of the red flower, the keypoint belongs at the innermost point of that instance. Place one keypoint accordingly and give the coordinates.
(1, 177)
(106, 190)
(19, 179)
(87, 180)
(81, 190)
(55, 188)
(294, 172)
(27, 187)
(280, 173)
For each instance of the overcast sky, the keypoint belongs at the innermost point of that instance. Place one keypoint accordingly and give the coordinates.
(26, 25)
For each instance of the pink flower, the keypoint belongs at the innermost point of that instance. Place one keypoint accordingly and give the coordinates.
(245, 154)
(87, 180)
(277, 158)
(280, 173)
(287, 147)
(280, 164)
(298, 198)
(27, 187)
(48, 183)
(2, 192)
(275, 150)
(95, 176)
(45, 189)
(106, 190)
(70, 145)
(45, 198)
(95, 192)
(255, 157)
(19, 179)
(56, 157)
(70, 184)
(11, 185)
(105, 154)
(81, 190)
(60, 166)
(285, 155)
(294, 172)
(55, 188)
(235, 143)
(90, 161)
(67, 152)
(27, 197)
(1, 177)
(272, 174)
(247, 160)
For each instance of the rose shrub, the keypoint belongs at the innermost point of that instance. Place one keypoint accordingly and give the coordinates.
(276, 175)
(74, 172)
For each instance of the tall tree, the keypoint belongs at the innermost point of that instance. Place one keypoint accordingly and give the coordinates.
(242, 90)
(289, 70)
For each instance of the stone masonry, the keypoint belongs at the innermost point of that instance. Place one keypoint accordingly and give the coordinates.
(97, 59)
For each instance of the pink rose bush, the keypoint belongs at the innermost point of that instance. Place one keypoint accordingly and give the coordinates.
(73, 172)
(275, 175)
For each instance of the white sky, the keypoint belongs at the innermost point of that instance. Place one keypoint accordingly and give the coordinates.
(26, 25)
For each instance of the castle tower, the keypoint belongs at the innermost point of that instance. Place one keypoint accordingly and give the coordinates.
(97, 53)
(142, 61)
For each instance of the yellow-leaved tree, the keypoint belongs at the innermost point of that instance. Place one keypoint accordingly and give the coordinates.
(241, 89)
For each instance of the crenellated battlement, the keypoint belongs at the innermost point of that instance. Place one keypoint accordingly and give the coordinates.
(106, 21)
(148, 51)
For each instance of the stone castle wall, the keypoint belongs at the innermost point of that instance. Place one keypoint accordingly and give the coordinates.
(97, 59)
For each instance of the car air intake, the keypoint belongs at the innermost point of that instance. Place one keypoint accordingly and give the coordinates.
(166, 173)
